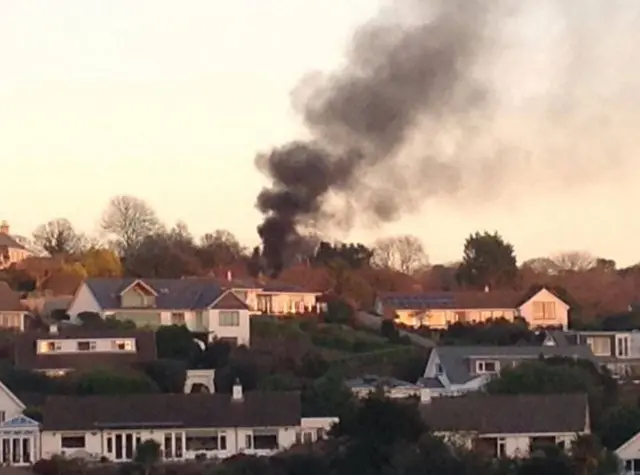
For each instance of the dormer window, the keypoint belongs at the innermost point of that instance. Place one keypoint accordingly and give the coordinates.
(487, 367)
(138, 295)
(86, 345)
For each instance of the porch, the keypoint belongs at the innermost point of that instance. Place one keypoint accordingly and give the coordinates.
(19, 440)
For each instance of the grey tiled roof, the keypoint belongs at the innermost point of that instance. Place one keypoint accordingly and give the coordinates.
(172, 293)
(372, 381)
(8, 241)
(257, 409)
(508, 414)
(455, 359)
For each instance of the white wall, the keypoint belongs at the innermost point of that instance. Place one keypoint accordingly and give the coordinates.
(242, 332)
(95, 442)
(83, 301)
(10, 407)
(516, 445)
(561, 310)
(103, 345)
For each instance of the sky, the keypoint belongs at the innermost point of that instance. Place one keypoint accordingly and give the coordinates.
(171, 100)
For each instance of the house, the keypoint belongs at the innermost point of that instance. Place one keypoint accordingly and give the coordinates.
(273, 298)
(392, 388)
(200, 304)
(629, 455)
(13, 315)
(11, 251)
(185, 425)
(438, 310)
(455, 370)
(19, 435)
(508, 425)
(63, 350)
(619, 351)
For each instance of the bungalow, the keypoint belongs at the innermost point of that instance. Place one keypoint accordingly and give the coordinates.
(391, 387)
(619, 351)
(438, 310)
(200, 304)
(185, 426)
(629, 455)
(19, 435)
(13, 314)
(455, 370)
(273, 298)
(63, 350)
(509, 425)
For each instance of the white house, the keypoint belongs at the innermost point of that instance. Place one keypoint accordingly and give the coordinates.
(455, 370)
(508, 425)
(71, 348)
(200, 304)
(391, 387)
(19, 435)
(13, 315)
(629, 455)
(541, 309)
(185, 425)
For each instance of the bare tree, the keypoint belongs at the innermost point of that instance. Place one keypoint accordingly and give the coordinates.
(542, 265)
(220, 248)
(129, 220)
(58, 237)
(574, 261)
(403, 253)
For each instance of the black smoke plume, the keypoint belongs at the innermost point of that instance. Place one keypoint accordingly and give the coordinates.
(397, 72)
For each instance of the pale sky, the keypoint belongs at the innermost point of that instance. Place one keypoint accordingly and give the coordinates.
(170, 101)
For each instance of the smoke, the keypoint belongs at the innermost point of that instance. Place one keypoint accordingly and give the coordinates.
(422, 109)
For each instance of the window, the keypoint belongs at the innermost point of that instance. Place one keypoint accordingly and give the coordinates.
(501, 447)
(168, 446)
(205, 441)
(109, 445)
(177, 318)
(48, 346)
(122, 345)
(601, 346)
(263, 440)
(307, 437)
(487, 367)
(229, 318)
(3, 416)
(86, 345)
(10, 320)
(265, 303)
(439, 369)
(72, 442)
(544, 310)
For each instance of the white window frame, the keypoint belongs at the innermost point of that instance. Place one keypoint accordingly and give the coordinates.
(481, 369)
(92, 345)
(620, 346)
(233, 322)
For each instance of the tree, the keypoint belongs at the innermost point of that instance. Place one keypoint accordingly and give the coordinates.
(619, 424)
(574, 261)
(355, 256)
(220, 248)
(110, 382)
(129, 220)
(147, 455)
(57, 237)
(403, 253)
(487, 261)
(541, 265)
(169, 375)
(163, 255)
(177, 342)
(101, 263)
(327, 397)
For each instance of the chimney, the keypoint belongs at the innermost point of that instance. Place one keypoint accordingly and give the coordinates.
(486, 288)
(425, 396)
(4, 227)
(229, 276)
(236, 394)
(53, 329)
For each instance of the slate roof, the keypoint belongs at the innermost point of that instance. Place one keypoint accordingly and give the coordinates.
(455, 359)
(9, 300)
(26, 357)
(257, 409)
(8, 241)
(495, 299)
(508, 414)
(173, 294)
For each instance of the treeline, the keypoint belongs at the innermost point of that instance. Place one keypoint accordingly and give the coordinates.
(134, 242)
